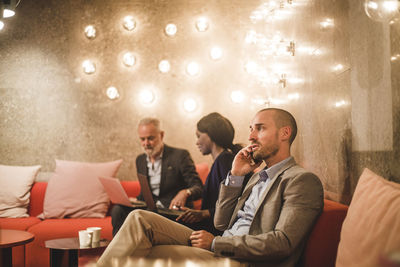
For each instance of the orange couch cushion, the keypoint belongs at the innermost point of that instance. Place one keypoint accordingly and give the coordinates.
(371, 229)
(323, 242)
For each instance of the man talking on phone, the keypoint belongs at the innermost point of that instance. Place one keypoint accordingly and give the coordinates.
(265, 222)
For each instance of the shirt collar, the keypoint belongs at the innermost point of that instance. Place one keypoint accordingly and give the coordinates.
(272, 171)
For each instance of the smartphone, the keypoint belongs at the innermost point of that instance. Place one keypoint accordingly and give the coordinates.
(254, 161)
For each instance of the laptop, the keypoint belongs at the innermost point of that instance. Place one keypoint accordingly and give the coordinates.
(151, 204)
(117, 194)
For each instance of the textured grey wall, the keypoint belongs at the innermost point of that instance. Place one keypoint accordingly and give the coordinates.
(348, 118)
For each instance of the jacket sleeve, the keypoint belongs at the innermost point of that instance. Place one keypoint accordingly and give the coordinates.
(300, 205)
(190, 175)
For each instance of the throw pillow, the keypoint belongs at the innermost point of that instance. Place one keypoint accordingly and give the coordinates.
(15, 187)
(372, 225)
(74, 191)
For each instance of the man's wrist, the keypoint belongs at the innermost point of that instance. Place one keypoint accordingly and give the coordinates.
(188, 192)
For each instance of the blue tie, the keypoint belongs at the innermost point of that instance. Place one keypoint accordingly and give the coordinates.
(263, 176)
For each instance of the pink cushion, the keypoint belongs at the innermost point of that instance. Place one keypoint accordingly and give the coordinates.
(74, 191)
(15, 187)
(371, 228)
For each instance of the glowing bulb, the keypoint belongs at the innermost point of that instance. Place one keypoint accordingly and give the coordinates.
(193, 68)
(338, 67)
(202, 24)
(146, 96)
(1, 25)
(88, 66)
(190, 104)
(327, 23)
(129, 59)
(250, 67)
(237, 97)
(381, 10)
(216, 53)
(8, 13)
(90, 32)
(129, 23)
(171, 29)
(293, 96)
(340, 103)
(112, 93)
(164, 66)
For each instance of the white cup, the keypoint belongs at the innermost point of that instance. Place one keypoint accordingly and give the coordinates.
(85, 238)
(96, 233)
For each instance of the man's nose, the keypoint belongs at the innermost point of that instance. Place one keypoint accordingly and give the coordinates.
(252, 136)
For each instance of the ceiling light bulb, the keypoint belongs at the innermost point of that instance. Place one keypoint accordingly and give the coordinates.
(129, 59)
(88, 66)
(146, 96)
(216, 53)
(8, 13)
(202, 24)
(164, 66)
(190, 104)
(381, 10)
(1, 25)
(251, 67)
(112, 93)
(193, 68)
(129, 23)
(237, 96)
(90, 32)
(327, 23)
(171, 29)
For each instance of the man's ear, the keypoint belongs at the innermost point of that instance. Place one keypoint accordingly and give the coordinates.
(285, 132)
(161, 135)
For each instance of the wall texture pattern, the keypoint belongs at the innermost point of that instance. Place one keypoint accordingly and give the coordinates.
(340, 84)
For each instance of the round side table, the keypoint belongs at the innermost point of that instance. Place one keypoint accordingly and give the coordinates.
(60, 247)
(10, 239)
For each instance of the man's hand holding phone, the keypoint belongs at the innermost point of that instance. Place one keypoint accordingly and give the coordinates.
(244, 161)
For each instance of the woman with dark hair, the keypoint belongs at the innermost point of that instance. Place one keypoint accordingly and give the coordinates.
(215, 135)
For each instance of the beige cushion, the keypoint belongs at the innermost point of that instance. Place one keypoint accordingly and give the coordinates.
(15, 187)
(74, 191)
(371, 228)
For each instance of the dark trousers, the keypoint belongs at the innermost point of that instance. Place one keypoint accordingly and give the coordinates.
(118, 216)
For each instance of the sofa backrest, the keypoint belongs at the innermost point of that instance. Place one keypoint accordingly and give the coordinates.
(322, 245)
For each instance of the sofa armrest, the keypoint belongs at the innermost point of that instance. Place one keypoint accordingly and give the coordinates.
(36, 200)
(322, 245)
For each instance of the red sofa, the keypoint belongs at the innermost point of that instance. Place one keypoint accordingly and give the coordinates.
(320, 250)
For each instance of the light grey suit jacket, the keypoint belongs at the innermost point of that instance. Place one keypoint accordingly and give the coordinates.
(283, 220)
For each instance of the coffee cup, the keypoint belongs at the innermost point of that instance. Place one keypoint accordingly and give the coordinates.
(96, 233)
(85, 238)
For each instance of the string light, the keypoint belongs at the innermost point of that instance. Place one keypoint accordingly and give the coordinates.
(90, 32)
(146, 96)
(1, 25)
(216, 53)
(237, 97)
(189, 104)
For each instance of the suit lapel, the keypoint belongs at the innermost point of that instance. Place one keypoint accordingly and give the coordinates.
(289, 164)
(164, 167)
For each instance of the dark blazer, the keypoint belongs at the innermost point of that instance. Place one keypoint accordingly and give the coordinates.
(177, 172)
(283, 219)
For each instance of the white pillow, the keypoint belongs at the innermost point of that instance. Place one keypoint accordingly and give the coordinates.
(15, 187)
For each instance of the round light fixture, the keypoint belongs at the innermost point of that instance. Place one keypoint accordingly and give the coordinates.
(216, 53)
(1, 25)
(237, 96)
(189, 105)
(90, 32)
(193, 68)
(129, 59)
(88, 66)
(129, 23)
(171, 29)
(146, 96)
(112, 93)
(8, 13)
(202, 24)
(164, 66)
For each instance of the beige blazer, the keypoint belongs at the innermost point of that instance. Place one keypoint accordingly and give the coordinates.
(283, 220)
